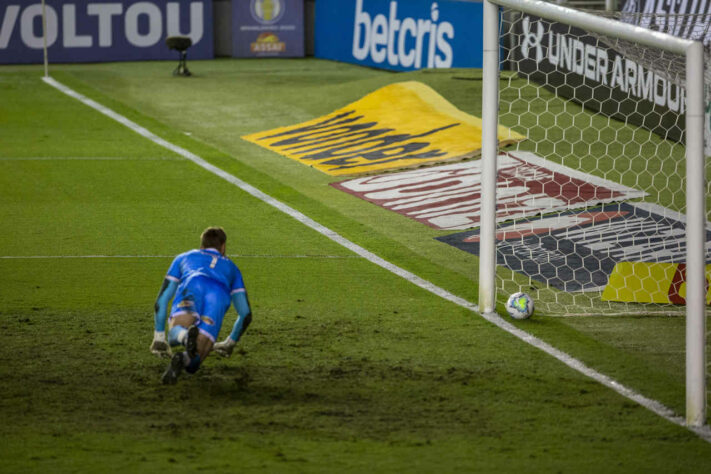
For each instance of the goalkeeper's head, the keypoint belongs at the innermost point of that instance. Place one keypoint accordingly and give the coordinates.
(213, 238)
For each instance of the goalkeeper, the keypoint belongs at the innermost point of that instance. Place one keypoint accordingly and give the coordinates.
(206, 282)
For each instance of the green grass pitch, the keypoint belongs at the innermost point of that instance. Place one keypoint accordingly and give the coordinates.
(346, 367)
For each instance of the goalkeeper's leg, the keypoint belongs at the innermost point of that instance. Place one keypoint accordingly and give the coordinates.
(186, 361)
(184, 332)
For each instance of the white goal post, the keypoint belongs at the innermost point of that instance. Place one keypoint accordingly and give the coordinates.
(695, 185)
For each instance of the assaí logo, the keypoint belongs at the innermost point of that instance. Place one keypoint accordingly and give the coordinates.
(405, 43)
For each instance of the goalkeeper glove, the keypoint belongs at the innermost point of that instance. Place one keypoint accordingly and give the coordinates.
(160, 346)
(225, 347)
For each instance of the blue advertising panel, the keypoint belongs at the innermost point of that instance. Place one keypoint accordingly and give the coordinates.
(402, 35)
(267, 28)
(103, 30)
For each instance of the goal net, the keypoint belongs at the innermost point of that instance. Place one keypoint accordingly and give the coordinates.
(691, 20)
(592, 210)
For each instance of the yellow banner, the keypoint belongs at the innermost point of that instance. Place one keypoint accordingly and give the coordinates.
(398, 126)
(641, 282)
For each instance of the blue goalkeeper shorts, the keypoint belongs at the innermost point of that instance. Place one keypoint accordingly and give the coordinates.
(205, 299)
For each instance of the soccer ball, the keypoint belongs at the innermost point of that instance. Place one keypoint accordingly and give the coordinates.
(520, 306)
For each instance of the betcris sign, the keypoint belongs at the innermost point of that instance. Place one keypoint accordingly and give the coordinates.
(401, 35)
(103, 30)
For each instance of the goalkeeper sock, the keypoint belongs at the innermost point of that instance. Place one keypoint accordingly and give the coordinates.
(194, 364)
(177, 335)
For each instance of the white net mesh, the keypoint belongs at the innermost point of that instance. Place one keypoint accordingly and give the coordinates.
(598, 185)
(694, 26)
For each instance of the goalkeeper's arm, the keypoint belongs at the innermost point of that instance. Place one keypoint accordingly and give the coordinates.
(244, 317)
(160, 346)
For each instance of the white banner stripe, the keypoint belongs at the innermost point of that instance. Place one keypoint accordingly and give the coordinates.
(703, 432)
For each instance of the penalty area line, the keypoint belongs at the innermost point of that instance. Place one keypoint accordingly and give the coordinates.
(654, 406)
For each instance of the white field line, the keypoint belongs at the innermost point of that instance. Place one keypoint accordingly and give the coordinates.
(40, 257)
(703, 432)
(89, 158)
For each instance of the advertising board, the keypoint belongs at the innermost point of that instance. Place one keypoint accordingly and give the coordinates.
(102, 30)
(400, 35)
(267, 28)
(578, 250)
(580, 67)
(449, 197)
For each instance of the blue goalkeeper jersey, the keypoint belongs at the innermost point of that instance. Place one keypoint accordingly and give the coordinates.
(206, 263)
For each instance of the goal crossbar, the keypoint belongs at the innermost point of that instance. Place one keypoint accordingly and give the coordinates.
(600, 25)
(695, 171)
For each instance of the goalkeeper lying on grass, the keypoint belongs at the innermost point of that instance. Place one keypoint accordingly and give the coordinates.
(206, 282)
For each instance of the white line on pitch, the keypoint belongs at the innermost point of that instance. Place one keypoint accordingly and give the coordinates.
(652, 405)
(325, 257)
(89, 158)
